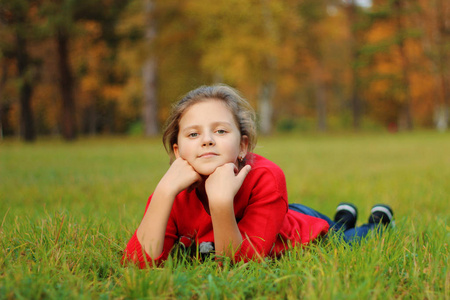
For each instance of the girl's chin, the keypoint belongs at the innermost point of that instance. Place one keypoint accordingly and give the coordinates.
(205, 173)
(205, 170)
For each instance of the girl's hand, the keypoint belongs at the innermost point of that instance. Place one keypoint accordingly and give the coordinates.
(180, 176)
(224, 183)
(151, 231)
(221, 187)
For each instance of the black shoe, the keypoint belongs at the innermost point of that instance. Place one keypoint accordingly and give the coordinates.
(347, 214)
(382, 214)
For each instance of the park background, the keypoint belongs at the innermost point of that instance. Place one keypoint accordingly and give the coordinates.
(92, 67)
(352, 99)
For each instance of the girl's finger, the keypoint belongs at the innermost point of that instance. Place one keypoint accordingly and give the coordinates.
(236, 170)
(244, 172)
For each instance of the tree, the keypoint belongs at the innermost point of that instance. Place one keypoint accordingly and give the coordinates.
(314, 12)
(66, 85)
(64, 22)
(405, 118)
(157, 43)
(436, 39)
(354, 16)
(102, 103)
(3, 109)
(391, 40)
(268, 82)
(16, 16)
(443, 46)
(149, 73)
(61, 23)
(240, 43)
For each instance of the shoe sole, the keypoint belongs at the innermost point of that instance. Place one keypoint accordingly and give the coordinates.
(383, 209)
(348, 208)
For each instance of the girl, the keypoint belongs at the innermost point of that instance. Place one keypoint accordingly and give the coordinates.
(221, 197)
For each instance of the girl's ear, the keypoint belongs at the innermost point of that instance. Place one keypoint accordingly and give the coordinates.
(243, 146)
(175, 150)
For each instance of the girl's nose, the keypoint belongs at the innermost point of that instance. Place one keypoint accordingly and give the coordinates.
(208, 140)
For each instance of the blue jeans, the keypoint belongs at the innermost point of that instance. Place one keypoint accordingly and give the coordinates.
(348, 235)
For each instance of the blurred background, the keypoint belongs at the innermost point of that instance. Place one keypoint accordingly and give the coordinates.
(74, 68)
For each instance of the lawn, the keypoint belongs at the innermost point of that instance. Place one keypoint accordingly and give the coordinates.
(67, 211)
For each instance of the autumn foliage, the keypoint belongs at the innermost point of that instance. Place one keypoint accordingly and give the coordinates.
(110, 66)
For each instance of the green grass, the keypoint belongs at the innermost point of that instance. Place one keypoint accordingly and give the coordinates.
(67, 211)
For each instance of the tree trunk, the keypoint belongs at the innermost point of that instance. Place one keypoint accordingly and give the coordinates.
(27, 130)
(405, 117)
(355, 100)
(265, 107)
(321, 100)
(150, 107)
(268, 84)
(149, 77)
(443, 58)
(92, 118)
(2, 107)
(68, 119)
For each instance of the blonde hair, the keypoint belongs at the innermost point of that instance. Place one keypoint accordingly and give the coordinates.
(242, 111)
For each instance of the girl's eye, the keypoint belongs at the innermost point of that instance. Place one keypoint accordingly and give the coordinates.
(193, 134)
(221, 131)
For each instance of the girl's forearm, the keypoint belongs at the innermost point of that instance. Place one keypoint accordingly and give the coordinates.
(227, 237)
(151, 231)
(221, 188)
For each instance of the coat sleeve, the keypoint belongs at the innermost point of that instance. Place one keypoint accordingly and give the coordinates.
(134, 252)
(264, 215)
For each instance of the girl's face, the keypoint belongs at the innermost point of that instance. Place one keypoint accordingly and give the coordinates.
(209, 137)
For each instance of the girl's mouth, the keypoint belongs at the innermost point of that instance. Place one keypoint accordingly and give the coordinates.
(208, 154)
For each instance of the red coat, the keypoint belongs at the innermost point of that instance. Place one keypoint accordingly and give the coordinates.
(261, 209)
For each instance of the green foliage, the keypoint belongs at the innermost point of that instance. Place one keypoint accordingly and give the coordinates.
(291, 124)
(67, 212)
(136, 128)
